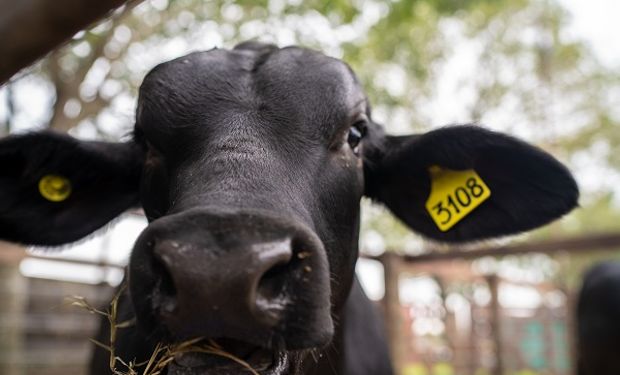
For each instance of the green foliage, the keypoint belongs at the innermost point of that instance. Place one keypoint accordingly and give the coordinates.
(520, 74)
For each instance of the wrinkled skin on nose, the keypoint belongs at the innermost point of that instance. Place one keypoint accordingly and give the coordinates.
(237, 275)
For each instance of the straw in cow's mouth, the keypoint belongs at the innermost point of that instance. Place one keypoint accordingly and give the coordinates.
(162, 355)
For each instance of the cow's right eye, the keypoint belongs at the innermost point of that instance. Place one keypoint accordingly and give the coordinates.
(356, 133)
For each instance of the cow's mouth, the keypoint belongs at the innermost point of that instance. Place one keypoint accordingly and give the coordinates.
(233, 357)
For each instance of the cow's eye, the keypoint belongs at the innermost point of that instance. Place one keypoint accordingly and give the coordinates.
(356, 133)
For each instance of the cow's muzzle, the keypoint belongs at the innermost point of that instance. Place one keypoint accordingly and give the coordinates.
(247, 276)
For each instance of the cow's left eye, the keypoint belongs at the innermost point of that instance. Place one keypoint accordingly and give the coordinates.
(356, 133)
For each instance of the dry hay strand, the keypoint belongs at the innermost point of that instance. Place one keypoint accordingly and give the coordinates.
(163, 353)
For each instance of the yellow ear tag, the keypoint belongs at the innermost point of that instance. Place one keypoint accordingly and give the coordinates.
(54, 188)
(454, 195)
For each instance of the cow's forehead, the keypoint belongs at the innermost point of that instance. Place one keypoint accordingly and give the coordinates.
(293, 82)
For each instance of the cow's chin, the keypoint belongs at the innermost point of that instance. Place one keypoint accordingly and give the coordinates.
(232, 362)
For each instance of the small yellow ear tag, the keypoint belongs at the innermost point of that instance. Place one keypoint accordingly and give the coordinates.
(454, 195)
(54, 188)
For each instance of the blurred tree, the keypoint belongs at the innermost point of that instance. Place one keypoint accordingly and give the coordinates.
(511, 65)
(47, 26)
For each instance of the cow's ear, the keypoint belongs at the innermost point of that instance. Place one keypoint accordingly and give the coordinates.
(55, 189)
(466, 183)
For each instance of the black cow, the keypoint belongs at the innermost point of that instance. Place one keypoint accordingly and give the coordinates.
(250, 165)
(598, 330)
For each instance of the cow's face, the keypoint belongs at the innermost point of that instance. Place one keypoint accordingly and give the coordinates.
(252, 179)
(250, 165)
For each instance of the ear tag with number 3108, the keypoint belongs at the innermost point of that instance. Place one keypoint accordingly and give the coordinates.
(454, 195)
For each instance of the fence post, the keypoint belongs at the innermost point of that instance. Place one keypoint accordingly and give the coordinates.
(393, 311)
(571, 329)
(13, 294)
(496, 322)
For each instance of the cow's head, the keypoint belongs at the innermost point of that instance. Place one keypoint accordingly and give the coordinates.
(250, 165)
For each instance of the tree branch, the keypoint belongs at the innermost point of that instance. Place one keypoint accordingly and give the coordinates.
(31, 28)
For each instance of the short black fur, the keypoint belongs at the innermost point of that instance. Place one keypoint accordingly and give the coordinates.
(104, 177)
(529, 188)
(242, 162)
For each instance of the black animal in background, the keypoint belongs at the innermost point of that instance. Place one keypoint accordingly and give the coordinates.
(250, 165)
(598, 312)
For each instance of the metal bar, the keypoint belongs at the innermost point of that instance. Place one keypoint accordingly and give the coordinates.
(586, 243)
(78, 261)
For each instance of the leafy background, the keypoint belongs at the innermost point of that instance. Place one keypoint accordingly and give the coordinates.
(514, 66)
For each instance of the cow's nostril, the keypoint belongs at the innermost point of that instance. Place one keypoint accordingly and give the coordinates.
(270, 290)
(270, 298)
(165, 293)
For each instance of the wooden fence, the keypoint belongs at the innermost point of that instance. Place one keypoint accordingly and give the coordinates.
(455, 266)
(41, 335)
